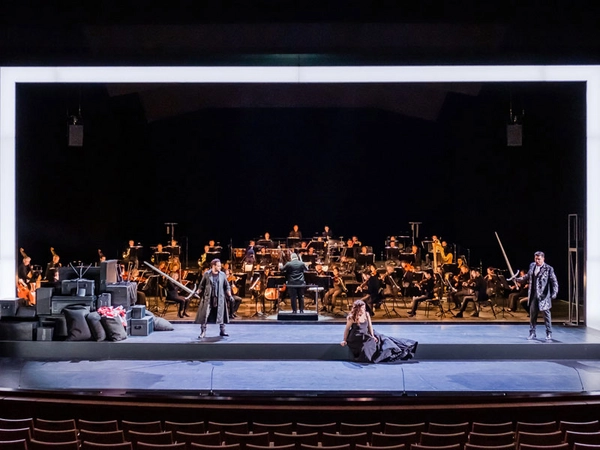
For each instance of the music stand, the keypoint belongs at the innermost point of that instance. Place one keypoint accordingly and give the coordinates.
(504, 285)
(293, 242)
(365, 259)
(392, 253)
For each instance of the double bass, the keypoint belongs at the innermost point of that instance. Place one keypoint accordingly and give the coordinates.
(24, 290)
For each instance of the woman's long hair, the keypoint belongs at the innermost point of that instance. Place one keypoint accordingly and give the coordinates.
(357, 305)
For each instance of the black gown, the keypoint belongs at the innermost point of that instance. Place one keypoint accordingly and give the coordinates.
(386, 349)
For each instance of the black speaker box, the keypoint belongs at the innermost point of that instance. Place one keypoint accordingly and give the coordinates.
(43, 300)
(303, 317)
(75, 135)
(514, 135)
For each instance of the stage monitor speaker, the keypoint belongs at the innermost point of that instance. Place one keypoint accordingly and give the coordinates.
(43, 300)
(304, 317)
(514, 135)
(75, 135)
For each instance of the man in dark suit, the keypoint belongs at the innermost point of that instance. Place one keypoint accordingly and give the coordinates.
(294, 273)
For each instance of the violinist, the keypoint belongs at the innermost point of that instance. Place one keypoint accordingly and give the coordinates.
(408, 279)
(390, 282)
(476, 295)
(426, 286)
(235, 301)
(135, 276)
(374, 286)
(460, 287)
(334, 292)
(347, 265)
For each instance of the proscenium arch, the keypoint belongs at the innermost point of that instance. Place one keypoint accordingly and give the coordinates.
(11, 76)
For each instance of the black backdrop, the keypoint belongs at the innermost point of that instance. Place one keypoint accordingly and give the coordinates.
(230, 174)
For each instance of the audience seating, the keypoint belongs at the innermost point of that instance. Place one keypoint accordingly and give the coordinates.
(561, 446)
(14, 434)
(492, 428)
(54, 436)
(102, 437)
(82, 434)
(19, 444)
(543, 427)
(63, 445)
(384, 440)
(98, 426)
(271, 428)
(493, 439)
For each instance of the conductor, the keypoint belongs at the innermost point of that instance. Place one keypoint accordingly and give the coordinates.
(294, 273)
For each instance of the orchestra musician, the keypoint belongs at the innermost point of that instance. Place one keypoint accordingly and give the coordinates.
(447, 253)
(460, 287)
(426, 287)
(347, 265)
(492, 282)
(267, 241)
(518, 291)
(173, 249)
(295, 233)
(250, 256)
(135, 276)
(374, 286)
(26, 280)
(174, 295)
(408, 279)
(52, 267)
(416, 251)
(327, 233)
(235, 301)
(130, 255)
(438, 282)
(334, 292)
(356, 242)
(477, 284)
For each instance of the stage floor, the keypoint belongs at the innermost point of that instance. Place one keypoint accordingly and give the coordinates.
(287, 358)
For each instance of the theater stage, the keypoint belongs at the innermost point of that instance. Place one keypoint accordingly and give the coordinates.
(305, 359)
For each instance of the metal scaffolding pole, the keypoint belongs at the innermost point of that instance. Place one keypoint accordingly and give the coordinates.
(576, 262)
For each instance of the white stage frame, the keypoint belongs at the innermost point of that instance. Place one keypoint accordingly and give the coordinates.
(11, 76)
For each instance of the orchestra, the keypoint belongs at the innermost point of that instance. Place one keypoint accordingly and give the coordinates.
(432, 268)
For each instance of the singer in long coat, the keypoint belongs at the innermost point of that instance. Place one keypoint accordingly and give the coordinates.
(206, 312)
(543, 288)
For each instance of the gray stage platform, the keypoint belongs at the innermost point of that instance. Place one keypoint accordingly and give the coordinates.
(306, 359)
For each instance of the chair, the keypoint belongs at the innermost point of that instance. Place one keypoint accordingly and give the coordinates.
(581, 437)
(386, 440)
(237, 427)
(15, 434)
(214, 447)
(64, 445)
(271, 428)
(54, 436)
(353, 428)
(330, 439)
(434, 303)
(247, 438)
(469, 446)
(542, 427)
(98, 426)
(579, 446)
(142, 427)
(162, 437)
(489, 302)
(303, 428)
(448, 428)
(325, 447)
(436, 447)
(18, 444)
(96, 446)
(55, 425)
(494, 439)
(552, 438)
(492, 428)
(102, 437)
(11, 424)
(296, 439)
(188, 427)
(210, 438)
(387, 447)
(561, 446)
(440, 440)
(268, 447)
(586, 427)
(397, 428)
(176, 446)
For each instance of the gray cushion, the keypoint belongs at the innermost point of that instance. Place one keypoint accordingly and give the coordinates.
(95, 324)
(115, 331)
(161, 324)
(77, 326)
